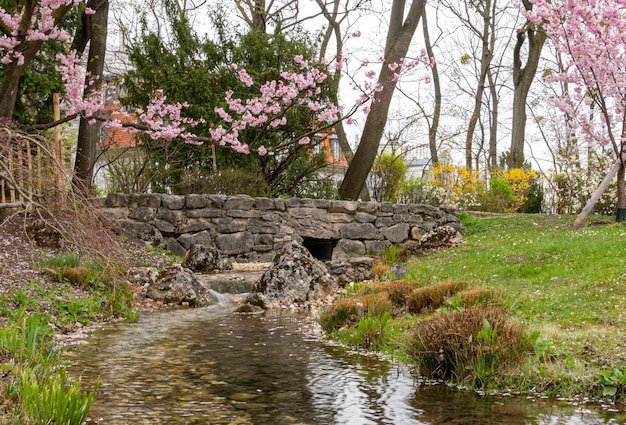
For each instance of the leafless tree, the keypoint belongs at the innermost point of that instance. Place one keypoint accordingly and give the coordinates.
(402, 26)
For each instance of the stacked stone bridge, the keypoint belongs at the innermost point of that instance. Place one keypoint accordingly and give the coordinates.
(249, 229)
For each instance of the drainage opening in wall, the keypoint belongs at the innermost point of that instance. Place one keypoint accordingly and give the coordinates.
(322, 249)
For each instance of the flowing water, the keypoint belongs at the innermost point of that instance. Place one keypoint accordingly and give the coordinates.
(211, 366)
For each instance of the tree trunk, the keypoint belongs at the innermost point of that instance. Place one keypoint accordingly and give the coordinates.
(434, 127)
(89, 133)
(522, 80)
(398, 46)
(492, 160)
(334, 19)
(485, 62)
(619, 163)
(621, 199)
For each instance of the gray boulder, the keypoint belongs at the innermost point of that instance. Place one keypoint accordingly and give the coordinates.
(206, 259)
(142, 275)
(441, 237)
(294, 277)
(179, 286)
(352, 269)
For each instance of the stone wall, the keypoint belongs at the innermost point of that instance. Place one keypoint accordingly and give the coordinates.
(253, 229)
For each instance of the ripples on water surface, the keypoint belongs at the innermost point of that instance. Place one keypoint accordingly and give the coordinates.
(210, 366)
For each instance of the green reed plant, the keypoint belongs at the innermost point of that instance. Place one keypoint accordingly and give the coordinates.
(27, 341)
(370, 333)
(54, 399)
(389, 255)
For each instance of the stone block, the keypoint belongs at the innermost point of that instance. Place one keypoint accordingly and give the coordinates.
(385, 207)
(173, 216)
(205, 213)
(243, 213)
(165, 226)
(397, 233)
(203, 238)
(376, 247)
(426, 210)
(271, 217)
(292, 202)
(358, 231)
(239, 202)
(143, 214)
(351, 247)
(263, 204)
(137, 200)
(217, 201)
(323, 204)
(340, 218)
(384, 221)
(257, 226)
(300, 212)
(263, 240)
(196, 201)
(343, 207)
(154, 200)
(279, 205)
(116, 200)
(172, 245)
(368, 207)
(235, 243)
(230, 225)
(400, 208)
(363, 217)
(194, 225)
(428, 226)
(173, 202)
(140, 230)
(263, 248)
(308, 203)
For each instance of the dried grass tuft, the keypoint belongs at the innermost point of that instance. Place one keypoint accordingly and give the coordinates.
(475, 296)
(380, 269)
(341, 313)
(434, 296)
(398, 292)
(458, 346)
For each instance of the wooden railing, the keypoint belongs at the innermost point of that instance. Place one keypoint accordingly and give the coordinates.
(31, 169)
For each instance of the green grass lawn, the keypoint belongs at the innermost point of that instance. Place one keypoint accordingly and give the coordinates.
(569, 284)
(566, 286)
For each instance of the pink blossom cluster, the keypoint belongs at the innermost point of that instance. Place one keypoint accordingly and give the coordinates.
(268, 109)
(592, 37)
(41, 27)
(164, 121)
(73, 77)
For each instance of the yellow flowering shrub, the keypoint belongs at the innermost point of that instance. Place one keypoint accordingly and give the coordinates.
(520, 181)
(455, 185)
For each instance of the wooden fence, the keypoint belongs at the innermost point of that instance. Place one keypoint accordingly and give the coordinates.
(31, 169)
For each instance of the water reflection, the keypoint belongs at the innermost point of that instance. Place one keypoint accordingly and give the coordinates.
(210, 366)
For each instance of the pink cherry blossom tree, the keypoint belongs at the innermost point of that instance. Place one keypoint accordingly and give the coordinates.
(592, 36)
(23, 31)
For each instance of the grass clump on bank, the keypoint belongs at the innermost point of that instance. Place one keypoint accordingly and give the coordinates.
(527, 303)
(33, 388)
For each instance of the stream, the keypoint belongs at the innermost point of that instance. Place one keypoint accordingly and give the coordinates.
(212, 366)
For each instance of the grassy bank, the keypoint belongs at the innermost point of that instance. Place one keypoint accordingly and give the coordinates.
(527, 303)
(72, 292)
